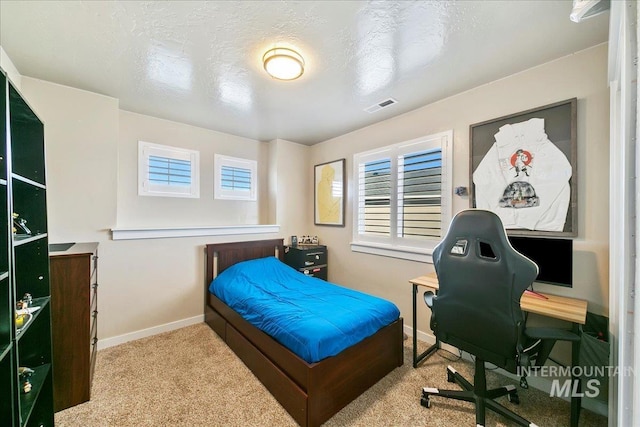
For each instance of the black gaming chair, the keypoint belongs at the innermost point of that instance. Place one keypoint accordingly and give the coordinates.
(477, 308)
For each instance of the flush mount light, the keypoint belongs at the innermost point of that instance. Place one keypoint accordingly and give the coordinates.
(283, 63)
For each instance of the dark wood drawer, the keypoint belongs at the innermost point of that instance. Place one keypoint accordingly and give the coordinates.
(319, 271)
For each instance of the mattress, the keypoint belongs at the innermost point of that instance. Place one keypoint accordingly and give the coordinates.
(312, 318)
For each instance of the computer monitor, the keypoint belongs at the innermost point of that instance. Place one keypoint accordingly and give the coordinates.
(554, 258)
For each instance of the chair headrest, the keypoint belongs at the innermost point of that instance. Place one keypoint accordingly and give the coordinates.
(481, 234)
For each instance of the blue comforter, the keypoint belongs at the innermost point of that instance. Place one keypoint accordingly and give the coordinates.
(313, 318)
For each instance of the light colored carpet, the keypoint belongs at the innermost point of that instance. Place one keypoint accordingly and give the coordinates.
(189, 377)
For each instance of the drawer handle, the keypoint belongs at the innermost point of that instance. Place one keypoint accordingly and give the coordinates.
(309, 263)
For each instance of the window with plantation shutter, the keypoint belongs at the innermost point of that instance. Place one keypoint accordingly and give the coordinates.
(167, 171)
(402, 203)
(420, 195)
(235, 179)
(376, 209)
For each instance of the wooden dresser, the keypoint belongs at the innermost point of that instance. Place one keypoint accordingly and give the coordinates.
(74, 320)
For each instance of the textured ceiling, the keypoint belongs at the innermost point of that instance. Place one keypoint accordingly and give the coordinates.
(199, 62)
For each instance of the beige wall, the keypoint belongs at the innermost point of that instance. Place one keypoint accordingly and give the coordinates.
(10, 69)
(80, 130)
(91, 150)
(150, 285)
(582, 75)
(146, 211)
(291, 175)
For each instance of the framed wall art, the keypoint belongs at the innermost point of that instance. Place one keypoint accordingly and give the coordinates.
(329, 193)
(523, 167)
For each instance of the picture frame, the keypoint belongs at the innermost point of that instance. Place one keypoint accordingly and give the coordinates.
(329, 193)
(534, 165)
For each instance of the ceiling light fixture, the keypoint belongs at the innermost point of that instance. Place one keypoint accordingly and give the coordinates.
(283, 63)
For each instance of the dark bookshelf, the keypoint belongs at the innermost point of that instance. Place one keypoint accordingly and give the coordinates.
(24, 265)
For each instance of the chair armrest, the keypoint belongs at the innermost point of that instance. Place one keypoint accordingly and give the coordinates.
(552, 334)
(429, 297)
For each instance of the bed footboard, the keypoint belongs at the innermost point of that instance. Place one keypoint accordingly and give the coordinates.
(311, 392)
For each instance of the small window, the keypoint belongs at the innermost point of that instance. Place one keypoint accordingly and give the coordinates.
(235, 178)
(167, 171)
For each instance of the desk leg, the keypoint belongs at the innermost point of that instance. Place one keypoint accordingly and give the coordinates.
(419, 358)
(415, 327)
(576, 401)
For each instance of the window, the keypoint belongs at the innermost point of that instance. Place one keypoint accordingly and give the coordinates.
(402, 200)
(235, 178)
(168, 171)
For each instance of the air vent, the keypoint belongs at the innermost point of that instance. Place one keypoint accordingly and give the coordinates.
(380, 105)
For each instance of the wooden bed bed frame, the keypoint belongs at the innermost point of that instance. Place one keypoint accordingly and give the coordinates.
(311, 392)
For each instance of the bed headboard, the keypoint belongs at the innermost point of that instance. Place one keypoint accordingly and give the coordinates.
(220, 256)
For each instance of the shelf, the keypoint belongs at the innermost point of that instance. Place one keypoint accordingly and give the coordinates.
(37, 302)
(19, 239)
(24, 264)
(5, 350)
(28, 181)
(27, 139)
(27, 400)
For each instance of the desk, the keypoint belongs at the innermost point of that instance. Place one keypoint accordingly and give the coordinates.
(569, 309)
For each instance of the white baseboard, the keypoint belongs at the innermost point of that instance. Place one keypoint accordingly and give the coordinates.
(430, 339)
(542, 384)
(143, 333)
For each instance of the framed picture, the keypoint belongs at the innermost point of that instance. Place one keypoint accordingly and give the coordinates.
(329, 193)
(523, 167)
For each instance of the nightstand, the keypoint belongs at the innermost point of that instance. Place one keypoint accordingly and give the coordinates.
(307, 259)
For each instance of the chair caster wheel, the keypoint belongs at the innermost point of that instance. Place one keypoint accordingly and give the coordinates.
(426, 402)
(514, 398)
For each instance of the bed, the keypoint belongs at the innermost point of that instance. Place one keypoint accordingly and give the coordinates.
(311, 392)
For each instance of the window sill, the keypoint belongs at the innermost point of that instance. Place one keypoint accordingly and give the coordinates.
(167, 232)
(401, 252)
